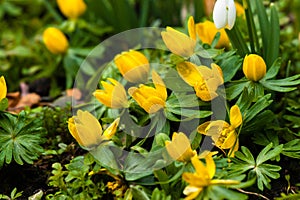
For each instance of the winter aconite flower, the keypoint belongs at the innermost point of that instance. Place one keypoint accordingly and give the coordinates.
(179, 43)
(254, 67)
(3, 88)
(113, 95)
(72, 9)
(202, 177)
(149, 98)
(55, 40)
(222, 133)
(86, 129)
(204, 80)
(224, 14)
(133, 66)
(180, 148)
(207, 30)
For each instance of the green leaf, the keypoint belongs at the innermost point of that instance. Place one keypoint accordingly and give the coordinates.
(230, 65)
(138, 192)
(189, 113)
(292, 149)
(273, 70)
(263, 24)
(20, 138)
(273, 38)
(267, 153)
(261, 104)
(3, 104)
(234, 90)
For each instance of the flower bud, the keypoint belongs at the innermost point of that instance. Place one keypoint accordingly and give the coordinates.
(71, 8)
(55, 40)
(133, 66)
(254, 67)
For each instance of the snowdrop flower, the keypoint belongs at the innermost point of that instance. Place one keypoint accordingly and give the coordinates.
(224, 14)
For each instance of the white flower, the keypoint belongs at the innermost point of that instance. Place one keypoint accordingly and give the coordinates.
(224, 14)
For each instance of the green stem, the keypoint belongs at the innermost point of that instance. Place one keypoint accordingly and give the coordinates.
(52, 11)
(237, 41)
(145, 12)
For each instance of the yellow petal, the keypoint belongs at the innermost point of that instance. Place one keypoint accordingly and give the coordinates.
(192, 192)
(180, 147)
(178, 43)
(217, 73)
(200, 168)
(133, 65)
(71, 8)
(3, 88)
(210, 166)
(153, 104)
(235, 116)
(202, 128)
(207, 30)
(191, 28)
(112, 129)
(229, 141)
(86, 129)
(189, 72)
(195, 179)
(159, 85)
(113, 95)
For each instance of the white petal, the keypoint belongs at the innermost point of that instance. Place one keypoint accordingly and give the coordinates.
(220, 14)
(190, 189)
(231, 14)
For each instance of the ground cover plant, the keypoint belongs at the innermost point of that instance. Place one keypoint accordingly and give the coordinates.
(149, 100)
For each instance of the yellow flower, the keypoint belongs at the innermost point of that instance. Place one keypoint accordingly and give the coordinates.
(254, 67)
(3, 88)
(149, 98)
(222, 133)
(113, 95)
(180, 147)
(55, 41)
(207, 30)
(179, 43)
(202, 178)
(86, 129)
(71, 8)
(204, 80)
(133, 65)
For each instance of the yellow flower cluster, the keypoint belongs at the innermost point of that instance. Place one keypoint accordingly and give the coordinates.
(180, 149)
(134, 67)
(183, 45)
